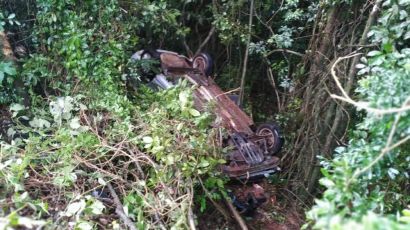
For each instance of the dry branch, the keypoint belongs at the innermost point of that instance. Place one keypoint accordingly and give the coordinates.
(361, 104)
(236, 215)
(211, 32)
(120, 209)
(285, 51)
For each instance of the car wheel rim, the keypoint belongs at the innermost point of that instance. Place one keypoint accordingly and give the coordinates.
(270, 137)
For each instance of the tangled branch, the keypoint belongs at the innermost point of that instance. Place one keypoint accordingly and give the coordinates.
(361, 104)
(365, 105)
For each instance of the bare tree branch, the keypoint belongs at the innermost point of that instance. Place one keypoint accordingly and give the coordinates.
(120, 209)
(285, 51)
(361, 104)
(211, 32)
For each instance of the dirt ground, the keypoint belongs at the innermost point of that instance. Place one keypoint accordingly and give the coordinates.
(280, 212)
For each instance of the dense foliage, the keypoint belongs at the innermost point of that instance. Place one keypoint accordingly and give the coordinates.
(85, 130)
(75, 118)
(7, 69)
(368, 181)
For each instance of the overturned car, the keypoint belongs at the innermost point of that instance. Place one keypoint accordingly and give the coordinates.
(253, 147)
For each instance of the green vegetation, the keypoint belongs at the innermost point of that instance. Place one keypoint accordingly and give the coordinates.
(367, 182)
(84, 130)
(75, 117)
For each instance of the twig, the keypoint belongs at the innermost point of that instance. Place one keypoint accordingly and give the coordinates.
(364, 105)
(272, 81)
(227, 92)
(217, 206)
(387, 149)
(92, 166)
(360, 104)
(379, 157)
(120, 209)
(285, 51)
(362, 42)
(236, 215)
(273, 15)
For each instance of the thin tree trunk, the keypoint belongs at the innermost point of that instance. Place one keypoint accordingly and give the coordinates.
(245, 62)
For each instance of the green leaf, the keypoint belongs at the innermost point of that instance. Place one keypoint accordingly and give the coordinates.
(404, 2)
(75, 123)
(203, 204)
(360, 66)
(374, 53)
(39, 123)
(194, 112)
(406, 212)
(407, 35)
(326, 182)
(324, 172)
(75, 208)
(204, 163)
(101, 181)
(147, 140)
(16, 107)
(83, 225)
(9, 69)
(388, 47)
(97, 207)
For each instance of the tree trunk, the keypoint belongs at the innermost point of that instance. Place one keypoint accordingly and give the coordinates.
(325, 120)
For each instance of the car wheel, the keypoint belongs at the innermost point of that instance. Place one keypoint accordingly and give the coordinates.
(271, 132)
(203, 62)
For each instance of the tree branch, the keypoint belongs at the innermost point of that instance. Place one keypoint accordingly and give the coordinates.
(361, 104)
(211, 32)
(236, 215)
(120, 209)
(285, 51)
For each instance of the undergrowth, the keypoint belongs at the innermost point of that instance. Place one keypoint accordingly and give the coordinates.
(85, 132)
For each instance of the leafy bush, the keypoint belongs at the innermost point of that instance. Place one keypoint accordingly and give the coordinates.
(367, 183)
(85, 131)
(7, 68)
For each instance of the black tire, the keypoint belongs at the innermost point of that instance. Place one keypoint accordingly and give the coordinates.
(275, 142)
(203, 62)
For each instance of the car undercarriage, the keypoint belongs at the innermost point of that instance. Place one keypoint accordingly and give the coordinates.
(253, 148)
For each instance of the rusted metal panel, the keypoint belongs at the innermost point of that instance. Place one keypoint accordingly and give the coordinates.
(234, 119)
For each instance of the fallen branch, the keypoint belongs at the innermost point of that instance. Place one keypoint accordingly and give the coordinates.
(217, 206)
(191, 220)
(236, 215)
(120, 209)
(227, 92)
(92, 166)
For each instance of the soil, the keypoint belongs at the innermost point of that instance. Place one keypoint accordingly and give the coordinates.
(281, 211)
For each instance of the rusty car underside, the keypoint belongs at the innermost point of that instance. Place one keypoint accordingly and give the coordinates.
(253, 147)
